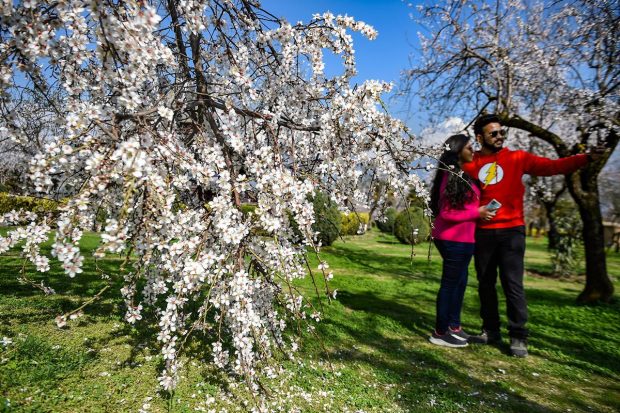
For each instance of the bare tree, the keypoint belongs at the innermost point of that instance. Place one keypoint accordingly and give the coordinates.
(536, 64)
(23, 135)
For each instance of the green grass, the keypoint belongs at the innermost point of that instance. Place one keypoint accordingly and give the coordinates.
(375, 335)
(538, 259)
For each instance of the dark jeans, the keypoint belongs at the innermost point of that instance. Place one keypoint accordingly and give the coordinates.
(456, 258)
(502, 248)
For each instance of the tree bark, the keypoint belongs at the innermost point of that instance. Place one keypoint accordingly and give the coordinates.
(598, 285)
(553, 235)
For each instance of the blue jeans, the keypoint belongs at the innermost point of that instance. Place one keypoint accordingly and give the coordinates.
(456, 258)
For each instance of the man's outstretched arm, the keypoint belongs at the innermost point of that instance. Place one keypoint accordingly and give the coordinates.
(539, 166)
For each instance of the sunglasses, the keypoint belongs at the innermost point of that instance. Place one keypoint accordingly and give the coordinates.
(501, 132)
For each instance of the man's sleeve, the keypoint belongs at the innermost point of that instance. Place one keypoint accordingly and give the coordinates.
(469, 168)
(539, 166)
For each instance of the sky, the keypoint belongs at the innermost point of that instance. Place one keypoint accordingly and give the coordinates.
(381, 59)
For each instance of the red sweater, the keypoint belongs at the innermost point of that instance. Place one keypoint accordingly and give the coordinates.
(500, 175)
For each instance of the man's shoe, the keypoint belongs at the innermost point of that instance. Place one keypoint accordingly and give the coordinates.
(518, 347)
(486, 337)
(448, 339)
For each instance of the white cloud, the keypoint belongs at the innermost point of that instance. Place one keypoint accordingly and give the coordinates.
(438, 133)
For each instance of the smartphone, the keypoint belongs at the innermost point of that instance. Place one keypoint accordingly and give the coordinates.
(494, 205)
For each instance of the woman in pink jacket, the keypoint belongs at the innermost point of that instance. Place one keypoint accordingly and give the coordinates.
(455, 200)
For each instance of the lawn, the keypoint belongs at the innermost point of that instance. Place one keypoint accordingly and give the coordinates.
(374, 334)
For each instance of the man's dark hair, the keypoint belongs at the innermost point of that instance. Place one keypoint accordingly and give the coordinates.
(484, 120)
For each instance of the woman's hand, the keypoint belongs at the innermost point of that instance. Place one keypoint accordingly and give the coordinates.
(486, 214)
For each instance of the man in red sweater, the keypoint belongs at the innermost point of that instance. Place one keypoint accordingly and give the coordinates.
(500, 241)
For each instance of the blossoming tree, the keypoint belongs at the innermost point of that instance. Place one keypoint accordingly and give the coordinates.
(540, 66)
(170, 114)
(35, 123)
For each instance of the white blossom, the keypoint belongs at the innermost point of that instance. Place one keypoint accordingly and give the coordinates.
(161, 153)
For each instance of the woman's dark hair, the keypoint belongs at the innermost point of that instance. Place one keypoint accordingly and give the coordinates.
(458, 188)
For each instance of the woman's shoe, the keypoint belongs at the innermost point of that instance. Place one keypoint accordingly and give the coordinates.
(448, 339)
(460, 332)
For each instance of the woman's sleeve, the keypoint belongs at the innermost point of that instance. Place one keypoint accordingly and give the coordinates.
(470, 213)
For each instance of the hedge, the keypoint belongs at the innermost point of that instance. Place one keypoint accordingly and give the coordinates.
(387, 225)
(327, 218)
(354, 223)
(10, 202)
(407, 222)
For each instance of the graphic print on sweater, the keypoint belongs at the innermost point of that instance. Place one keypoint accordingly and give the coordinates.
(490, 174)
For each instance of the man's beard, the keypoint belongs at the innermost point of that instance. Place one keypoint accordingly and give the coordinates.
(490, 147)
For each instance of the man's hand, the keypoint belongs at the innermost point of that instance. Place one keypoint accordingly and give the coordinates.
(486, 214)
(596, 153)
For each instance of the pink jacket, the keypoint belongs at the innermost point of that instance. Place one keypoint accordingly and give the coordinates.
(456, 224)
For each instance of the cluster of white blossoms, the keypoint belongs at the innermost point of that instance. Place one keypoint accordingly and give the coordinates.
(168, 127)
(29, 230)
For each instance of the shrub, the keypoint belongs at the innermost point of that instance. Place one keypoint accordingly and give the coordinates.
(411, 226)
(327, 218)
(27, 203)
(565, 257)
(354, 223)
(387, 224)
(414, 201)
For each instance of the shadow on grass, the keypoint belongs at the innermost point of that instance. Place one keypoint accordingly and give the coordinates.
(407, 316)
(423, 372)
(394, 266)
(577, 341)
(34, 360)
(83, 284)
(559, 349)
(32, 305)
(573, 340)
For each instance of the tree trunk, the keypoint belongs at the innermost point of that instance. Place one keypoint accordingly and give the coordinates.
(553, 235)
(598, 285)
